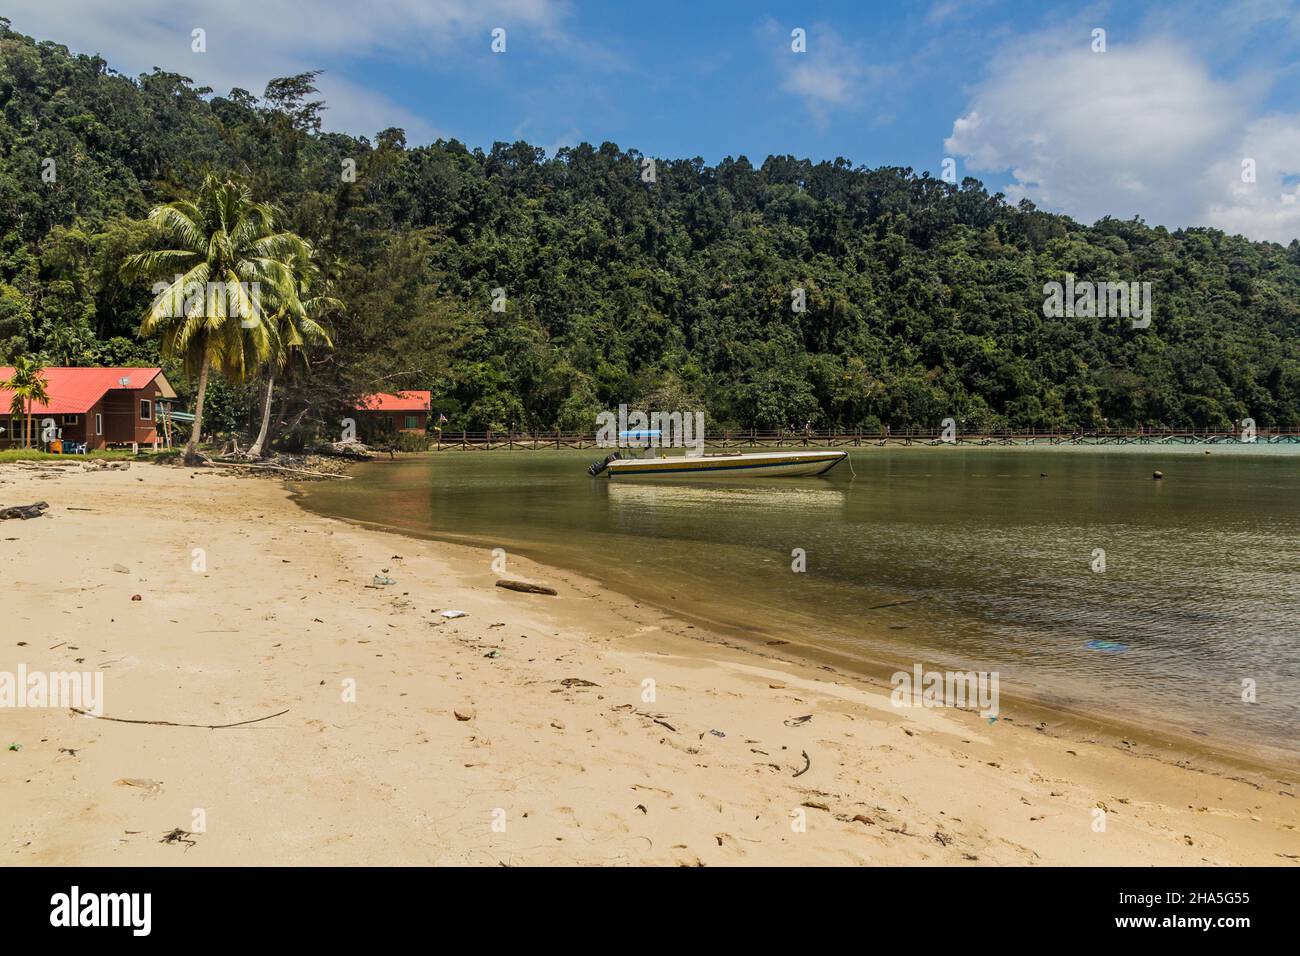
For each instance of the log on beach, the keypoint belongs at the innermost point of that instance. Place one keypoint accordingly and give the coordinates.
(525, 587)
(24, 511)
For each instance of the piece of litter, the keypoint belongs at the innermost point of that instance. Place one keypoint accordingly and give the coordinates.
(1110, 647)
(382, 581)
(454, 614)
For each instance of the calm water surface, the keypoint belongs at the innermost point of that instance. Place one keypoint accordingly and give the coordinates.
(982, 561)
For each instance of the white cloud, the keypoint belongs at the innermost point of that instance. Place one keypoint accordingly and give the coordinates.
(942, 11)
(1141, 129)
(1268, 208)
(251, 41)
(829, 74)
(350, 108)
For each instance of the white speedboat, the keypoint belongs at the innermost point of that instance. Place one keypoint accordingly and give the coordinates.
(771, 464)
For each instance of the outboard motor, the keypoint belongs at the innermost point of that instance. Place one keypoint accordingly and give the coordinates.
(598, 466)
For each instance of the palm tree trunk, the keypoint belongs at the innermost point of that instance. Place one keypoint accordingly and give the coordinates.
(277, 420)
(27, 435)
(256, 450)
(192, 448)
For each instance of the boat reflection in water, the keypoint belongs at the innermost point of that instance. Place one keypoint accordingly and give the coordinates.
(641, 507)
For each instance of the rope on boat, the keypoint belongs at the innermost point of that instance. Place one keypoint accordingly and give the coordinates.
(849, 459)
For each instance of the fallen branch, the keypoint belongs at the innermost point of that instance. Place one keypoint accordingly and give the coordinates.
(169, 723)
(807, 762)
(655, 720)
(179, 836)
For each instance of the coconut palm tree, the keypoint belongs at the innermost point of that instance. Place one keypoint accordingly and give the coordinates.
(294, 329)
(28, 385)
(228, 270)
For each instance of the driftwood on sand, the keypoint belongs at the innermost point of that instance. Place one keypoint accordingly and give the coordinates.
(807, 762)
(525, 587)
(170, 723)
(24, 511)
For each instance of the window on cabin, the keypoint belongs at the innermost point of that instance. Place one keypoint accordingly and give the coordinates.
(146, 410)
(70, 419)
(99, 424)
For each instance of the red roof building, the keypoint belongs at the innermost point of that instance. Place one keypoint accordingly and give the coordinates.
(95, 406)
(403, 412)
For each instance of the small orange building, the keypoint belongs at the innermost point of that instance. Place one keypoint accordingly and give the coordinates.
(95, 406)
(403, 412)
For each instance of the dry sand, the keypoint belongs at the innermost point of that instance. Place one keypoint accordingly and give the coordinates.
(563, 758)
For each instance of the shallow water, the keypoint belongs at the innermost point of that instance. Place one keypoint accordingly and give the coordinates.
(981, 561)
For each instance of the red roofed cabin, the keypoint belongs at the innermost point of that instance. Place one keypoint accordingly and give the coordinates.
(95, 406)
(404, 412)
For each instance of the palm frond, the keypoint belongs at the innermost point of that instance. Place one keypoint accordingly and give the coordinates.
(173, 303)
(181, 221)
(151, 265)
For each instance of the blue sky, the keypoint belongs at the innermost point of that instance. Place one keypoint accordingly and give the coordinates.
(1158, 125)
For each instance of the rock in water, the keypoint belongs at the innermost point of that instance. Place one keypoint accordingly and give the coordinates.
(344, 449)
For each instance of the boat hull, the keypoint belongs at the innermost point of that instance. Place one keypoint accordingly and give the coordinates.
(788, 464)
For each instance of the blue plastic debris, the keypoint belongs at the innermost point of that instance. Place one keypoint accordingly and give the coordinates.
(1110, 647)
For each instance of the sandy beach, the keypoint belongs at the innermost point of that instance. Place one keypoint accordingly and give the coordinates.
(581, 728)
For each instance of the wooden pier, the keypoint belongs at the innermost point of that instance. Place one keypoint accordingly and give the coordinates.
(754, 438)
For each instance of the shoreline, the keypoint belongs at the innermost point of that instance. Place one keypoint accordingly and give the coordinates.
(1249, 761)
(1173, 741)
(559, 737)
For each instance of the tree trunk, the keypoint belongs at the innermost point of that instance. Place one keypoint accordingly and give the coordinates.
(256, 450)
(27, 435)
(277, 419)
(192, 447)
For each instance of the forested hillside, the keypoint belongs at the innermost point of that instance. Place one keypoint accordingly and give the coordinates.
(924, 299)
